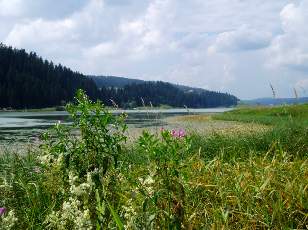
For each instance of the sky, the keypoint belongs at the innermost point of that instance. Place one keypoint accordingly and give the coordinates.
(234, 46)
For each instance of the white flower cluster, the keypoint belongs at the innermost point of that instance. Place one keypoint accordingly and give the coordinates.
(81, 189)
(74, 213)
(8, 221)
(146, 184)
(129, 214)
(50, 160)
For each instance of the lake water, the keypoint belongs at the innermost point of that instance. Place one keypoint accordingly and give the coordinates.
(27, 126)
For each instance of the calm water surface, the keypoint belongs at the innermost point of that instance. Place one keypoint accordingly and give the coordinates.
(27, 126)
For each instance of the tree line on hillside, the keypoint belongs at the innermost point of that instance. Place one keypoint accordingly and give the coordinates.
(28, 81)
(162, 93)
(112, 81)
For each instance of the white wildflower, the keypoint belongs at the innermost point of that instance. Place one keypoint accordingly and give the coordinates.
(129, 214)
(72, 213)
(83, 188)
(45, 159)
(149, 180)
(146, 184)
(8, 221)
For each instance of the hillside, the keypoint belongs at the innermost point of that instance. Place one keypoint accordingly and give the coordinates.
(133, 92)
(28, 81)
(120, 82)
(162, 93)
(113, 81)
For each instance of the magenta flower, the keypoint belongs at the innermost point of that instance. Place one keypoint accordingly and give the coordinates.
(174, 133)
(182, 133)
(2, 211)
(162, 129)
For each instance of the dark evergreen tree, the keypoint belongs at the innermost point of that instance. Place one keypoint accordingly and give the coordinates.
(28, 81)
(162, 93)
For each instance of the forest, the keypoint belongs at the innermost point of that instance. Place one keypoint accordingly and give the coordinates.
(28, 81)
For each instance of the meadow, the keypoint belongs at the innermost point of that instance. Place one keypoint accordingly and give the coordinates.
(173, 179)
(269, 115)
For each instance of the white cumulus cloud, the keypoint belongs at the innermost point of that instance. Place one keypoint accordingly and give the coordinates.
(9, 8)
(216, 44)
(290, 49)
(241, 39)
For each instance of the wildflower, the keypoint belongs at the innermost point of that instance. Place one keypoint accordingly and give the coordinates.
(162, 129)
(2, 211)
(174, 133)
(9, 221)
(182, 133)
(149, 180)
(37, 169)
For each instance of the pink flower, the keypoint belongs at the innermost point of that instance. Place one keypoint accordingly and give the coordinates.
(162, 129)
(182, 133)
(174, 133)
(2, 211)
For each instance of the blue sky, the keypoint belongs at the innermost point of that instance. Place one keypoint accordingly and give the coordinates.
(235, 46)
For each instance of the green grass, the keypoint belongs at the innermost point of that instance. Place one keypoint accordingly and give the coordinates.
(268, 115)
(255, 180)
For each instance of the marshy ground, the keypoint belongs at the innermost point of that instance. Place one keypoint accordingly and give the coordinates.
(205, 124)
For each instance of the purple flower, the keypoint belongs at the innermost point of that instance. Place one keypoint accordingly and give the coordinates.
(182, 133)
(174, 133)
(2, 211)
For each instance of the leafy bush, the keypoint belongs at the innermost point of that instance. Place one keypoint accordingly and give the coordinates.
(84, 165)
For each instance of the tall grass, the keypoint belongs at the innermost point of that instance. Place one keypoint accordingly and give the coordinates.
(219, 181)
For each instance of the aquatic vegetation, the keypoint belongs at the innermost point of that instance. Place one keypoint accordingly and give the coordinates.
(171, 179)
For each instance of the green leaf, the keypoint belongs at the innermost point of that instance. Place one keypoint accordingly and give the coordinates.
(115, 217)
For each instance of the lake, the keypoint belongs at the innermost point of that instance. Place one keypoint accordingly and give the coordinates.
(27, 126)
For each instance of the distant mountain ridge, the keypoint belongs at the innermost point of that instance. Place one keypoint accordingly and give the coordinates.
(275, 101)
(113, 81)
(120, 82)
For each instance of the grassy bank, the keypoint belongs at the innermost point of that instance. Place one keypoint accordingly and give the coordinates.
(173, 180)
(269, 115)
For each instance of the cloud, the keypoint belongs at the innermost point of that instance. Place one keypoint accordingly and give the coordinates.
(38, 8)
(302, 86)
(60, 37)
(290, 49)
(40, 31)
(216, 44)
(138, 37)
(11, 8)
(150, 31)
(242, 39)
